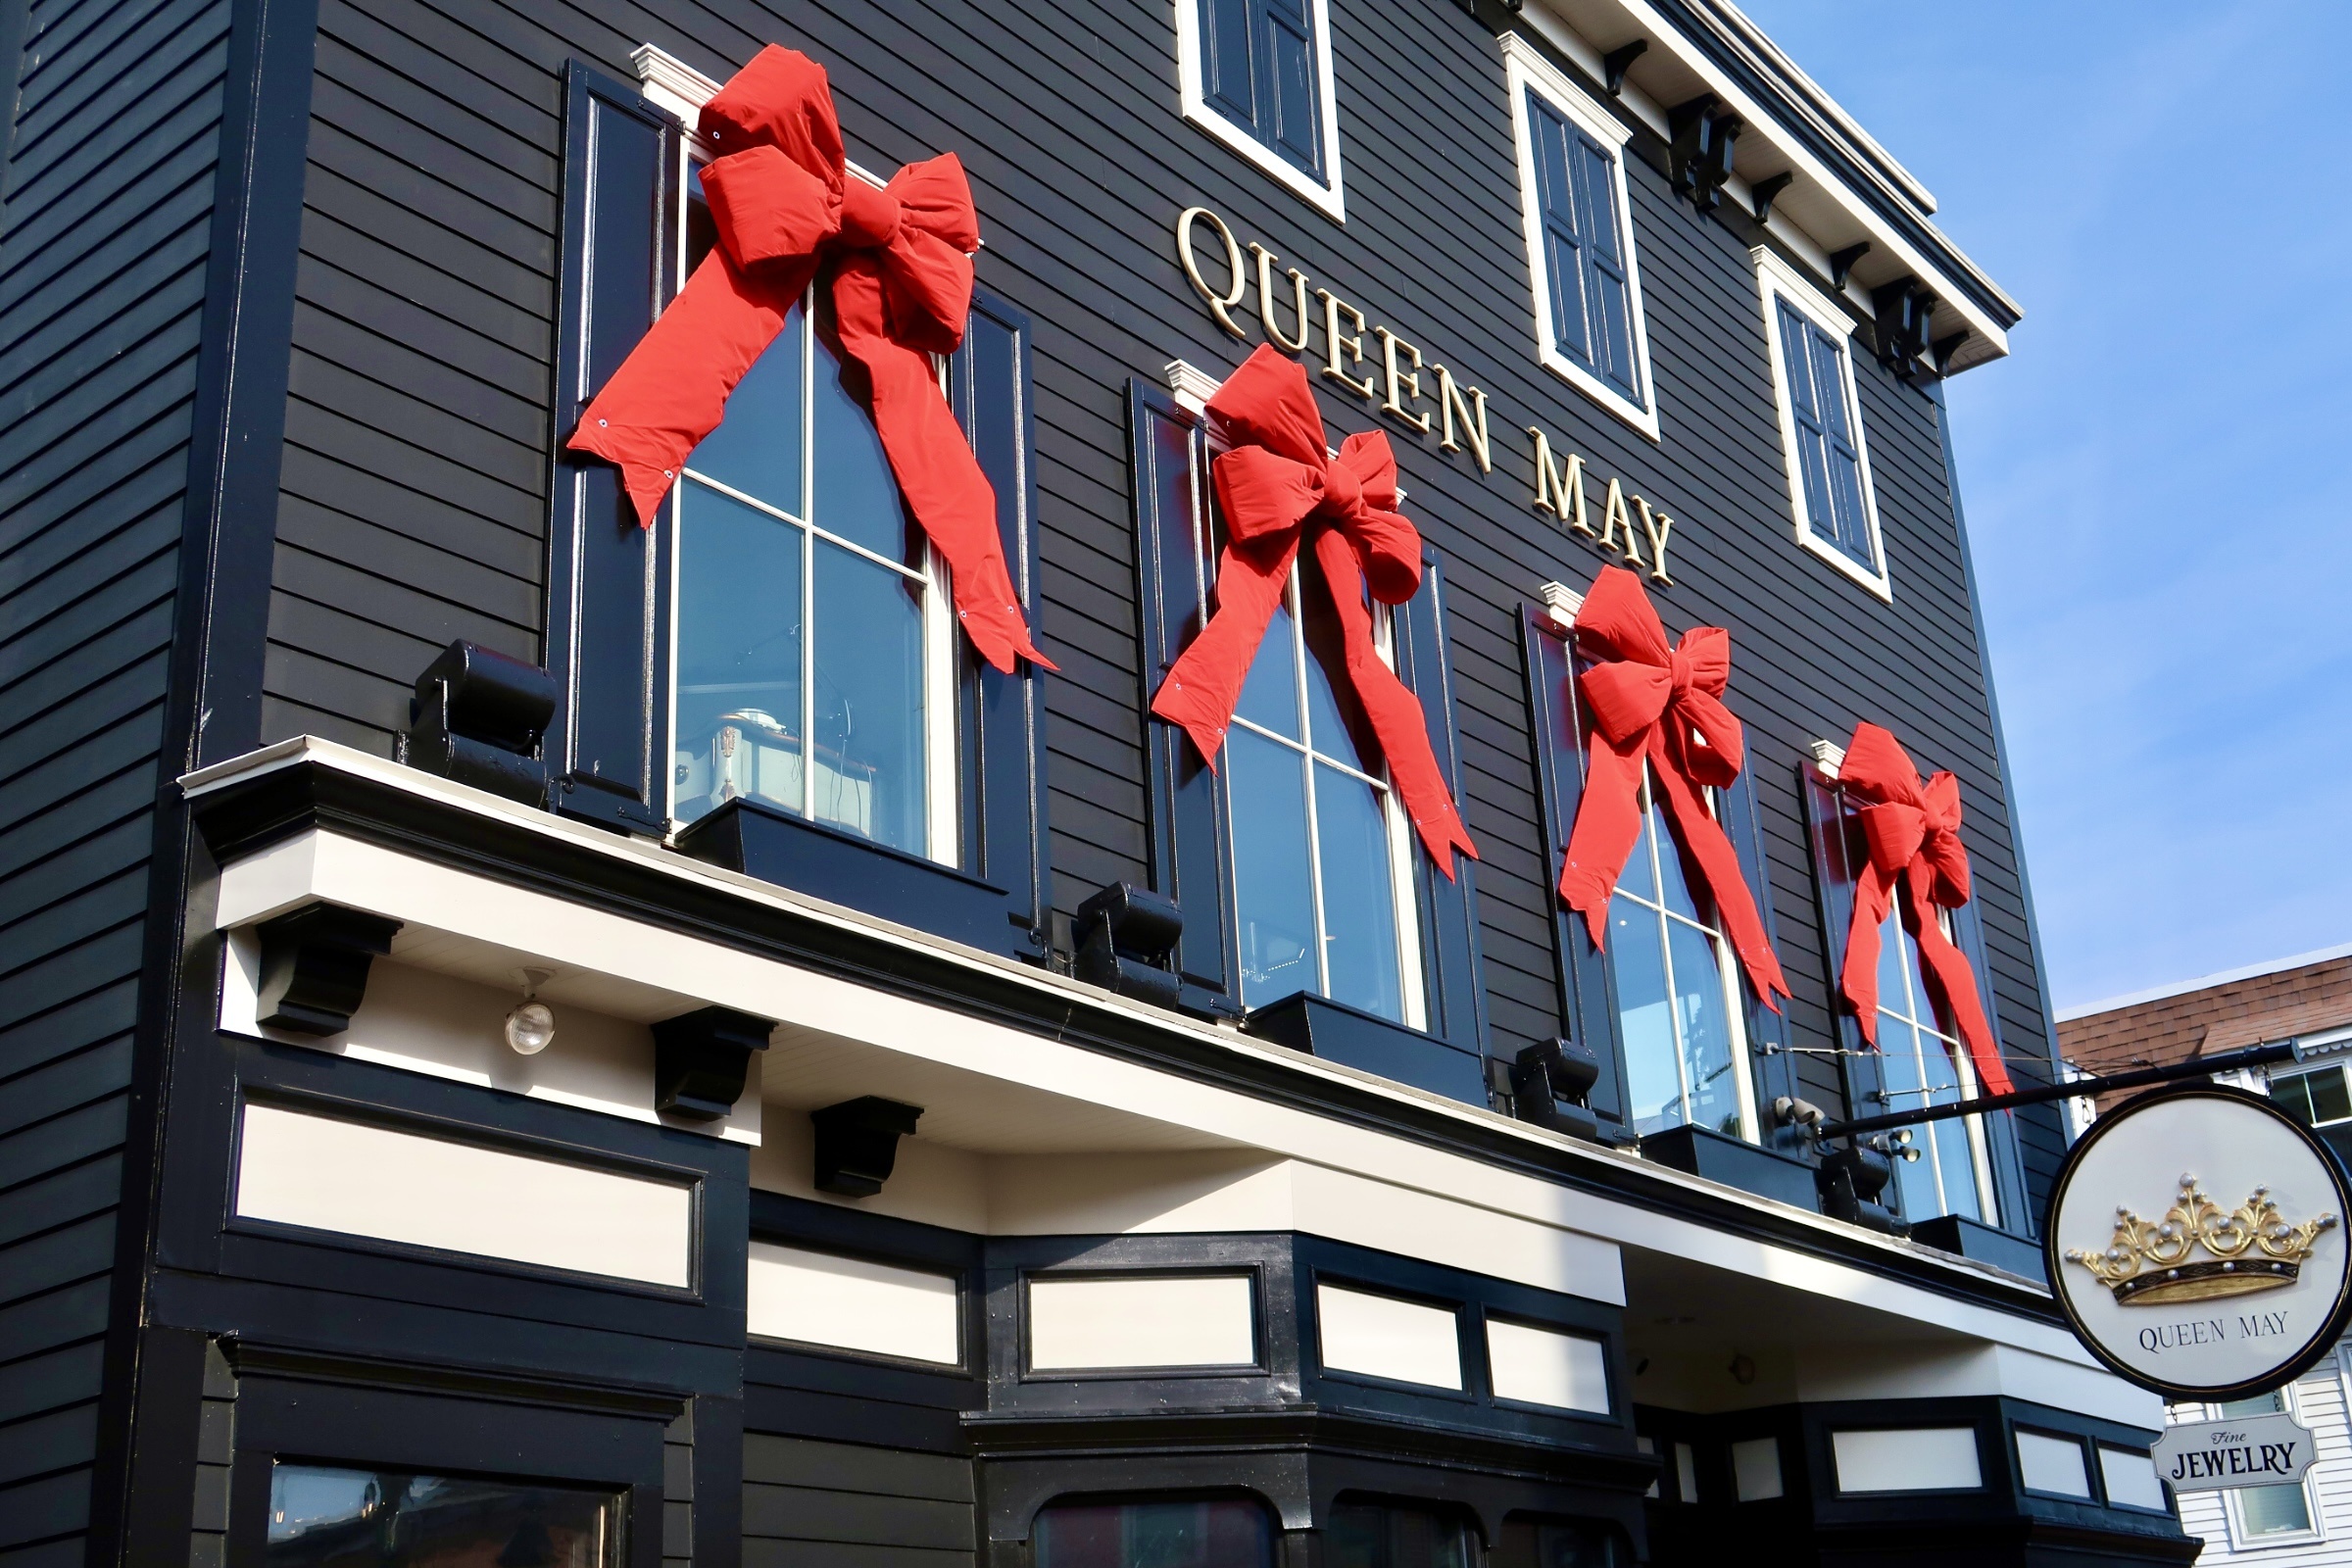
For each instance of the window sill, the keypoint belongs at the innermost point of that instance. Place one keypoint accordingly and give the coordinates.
(1327, 199)
(1336, 1032)
(1641, 419)
(1877, 583)
(1974, 1240)
(842, 869)
(1734, 1162)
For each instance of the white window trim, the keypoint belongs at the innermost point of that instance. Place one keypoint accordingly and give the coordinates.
(1325, 196)
(1525, 69)
(2290, 1402)
(1778, 281)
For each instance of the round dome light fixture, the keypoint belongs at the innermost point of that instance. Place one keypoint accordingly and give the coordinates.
(531, 1025)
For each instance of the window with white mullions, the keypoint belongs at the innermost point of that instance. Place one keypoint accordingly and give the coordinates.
(1322, 875)
(1925, 1064)
(1677, 1000)
(814, 649)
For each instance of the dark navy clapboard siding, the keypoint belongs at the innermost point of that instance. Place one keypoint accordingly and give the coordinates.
(412, 504)
(104, 231)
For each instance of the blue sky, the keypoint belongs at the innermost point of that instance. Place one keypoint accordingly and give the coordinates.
(2155, 479)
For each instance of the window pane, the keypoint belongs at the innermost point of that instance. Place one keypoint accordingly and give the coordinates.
(1955, 1164)
(2329, 1101)
(756, 448)
(1212, 1533)
(868, 773)
(2273, 1510)
(1895, 993)
(1674, 882)
(1914, 1181)
(363, 1518)
(1290, 50)
(1708, 1059)
(1225, 57)
(2293, 1095)
(738, 655)
(1528, 1542)
(1335, 725)
(1645, 1020)
(2260, 1405)
(1272, 891)
(1359, 903)
(857, 495)
(1386, 1536)
(1270, 690)
(1639, 876)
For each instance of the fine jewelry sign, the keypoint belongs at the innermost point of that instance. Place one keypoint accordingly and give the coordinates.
(2253, 1451)
(2197, 1243)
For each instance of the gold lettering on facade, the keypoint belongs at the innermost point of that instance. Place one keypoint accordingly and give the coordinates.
(1559, 490)
(1407, 382)
(1265, 299)
(1473, 410)
(1617, 526)
(1218, 303)
(1334, 340)
(1658, 525)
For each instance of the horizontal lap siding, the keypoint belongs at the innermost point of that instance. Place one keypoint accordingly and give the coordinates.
(104, 234)
(812, 1504)
(414, 506)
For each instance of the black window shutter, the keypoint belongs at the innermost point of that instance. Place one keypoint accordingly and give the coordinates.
(1167, 455)
(1455, 988)
(1002, 728)
(1588, 1006)
(2000, 1131)
(607, 630)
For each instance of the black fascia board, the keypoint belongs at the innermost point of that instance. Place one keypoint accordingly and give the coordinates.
(1788, 118)
(241, 817)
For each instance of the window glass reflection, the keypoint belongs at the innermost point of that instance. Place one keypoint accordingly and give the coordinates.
(738, 655)
(1703, 1021)
(1534, 1542)
(1160, 1533)
(1359, 900)
(321, 1516)
(1380, 1535)
(1921, 1063)
(1272, 868)
(867, 772)
(856, 496)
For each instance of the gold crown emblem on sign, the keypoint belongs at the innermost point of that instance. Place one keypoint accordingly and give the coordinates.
(2249, 1248)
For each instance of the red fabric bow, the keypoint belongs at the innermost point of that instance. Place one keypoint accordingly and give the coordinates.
(1650, 703)
(898, 264)
(1913, 833)
(1280, 489)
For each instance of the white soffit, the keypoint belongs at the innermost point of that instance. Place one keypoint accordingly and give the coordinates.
(1822, 210)
(1907, 1459)
(1386, 1337)
(327, 1173)
(851, 1305)
(1145, 1320)
(1547, 1366)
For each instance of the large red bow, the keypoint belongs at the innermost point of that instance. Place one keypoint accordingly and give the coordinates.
(1913, 833)
(1278, 489)
(898, 264)
(1659, 706)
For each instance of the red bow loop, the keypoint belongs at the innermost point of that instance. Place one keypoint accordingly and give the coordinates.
(1912, 831)
(898, 265)
(1275, 482)
(1657, 711)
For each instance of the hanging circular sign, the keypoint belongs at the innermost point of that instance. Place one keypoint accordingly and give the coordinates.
(2196, 1242)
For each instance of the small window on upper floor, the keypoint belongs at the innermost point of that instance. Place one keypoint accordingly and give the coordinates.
(1256, 74)
(1811, 343)
(2315, 1099)
(1580, 238)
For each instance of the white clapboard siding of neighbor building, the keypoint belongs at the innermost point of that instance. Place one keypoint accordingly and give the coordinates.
(2318, 1400)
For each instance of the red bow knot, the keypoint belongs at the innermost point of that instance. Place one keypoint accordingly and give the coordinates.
(898, 262)
(1280, 490)
(1658, 706)
(1911, 829)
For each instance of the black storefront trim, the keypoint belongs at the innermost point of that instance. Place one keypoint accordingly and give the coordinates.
(249, 815)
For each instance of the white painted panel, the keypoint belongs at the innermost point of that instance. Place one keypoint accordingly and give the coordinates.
(1544, 1367)
(1685, 1473)
(1147, 1320)
(335, 1175)
(2052, 1464)
(820, 1298)
(1756, 1469)
(1388, 1337)
(1908, 1459)
(2131, 1478)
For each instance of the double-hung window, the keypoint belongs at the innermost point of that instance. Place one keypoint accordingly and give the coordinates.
(2320, 1097)
(1811, 344)
(1580, 238)
(1256, 74)
(1926, 1064)
(770, 675)
(2267, 1516)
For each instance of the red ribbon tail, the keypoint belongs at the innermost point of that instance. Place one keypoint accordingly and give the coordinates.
(1858, 976)
(1719, 864)
(1608, 825)
(1949, 972)
(1205, 681)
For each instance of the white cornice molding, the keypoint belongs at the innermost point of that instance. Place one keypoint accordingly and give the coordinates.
(1829, 756)
(1563, 600)
(671, 84)
(1192, 385)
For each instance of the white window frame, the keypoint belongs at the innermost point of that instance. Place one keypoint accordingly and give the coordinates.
(2290, 1399)
(672, 85)
(1326, 196)
(1525, 70)
(1777, 282)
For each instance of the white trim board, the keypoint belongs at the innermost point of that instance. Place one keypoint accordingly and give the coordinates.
(1778, 281)
(1328, 197)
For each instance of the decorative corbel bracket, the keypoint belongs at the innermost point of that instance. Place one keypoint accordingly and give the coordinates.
(1841, 263)
(1905, 316)
(314, 967)
(1767, 190)
(701, 1058)
(857, 1143)
(1617, 62)
(1699, 149)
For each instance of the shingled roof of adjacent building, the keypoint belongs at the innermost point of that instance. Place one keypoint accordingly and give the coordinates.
(2284, 1000)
